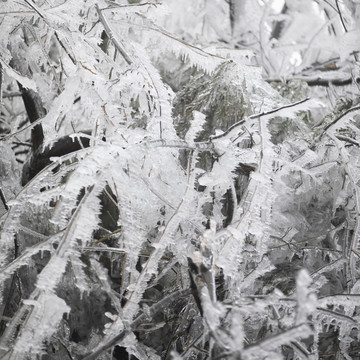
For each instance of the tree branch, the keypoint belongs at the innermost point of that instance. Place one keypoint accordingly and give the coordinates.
(327, 127)
(318, 81)
(111, 36)
(137, 322)
(2, 197)
(232, 127)
(341, 17)
(1, 83)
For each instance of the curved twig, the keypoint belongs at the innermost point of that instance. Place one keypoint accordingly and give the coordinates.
(257, 116)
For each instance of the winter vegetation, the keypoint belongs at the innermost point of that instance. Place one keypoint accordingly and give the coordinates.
(179, 179)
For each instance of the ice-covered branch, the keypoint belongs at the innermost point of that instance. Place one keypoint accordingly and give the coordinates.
(153, 310)
(112, 36)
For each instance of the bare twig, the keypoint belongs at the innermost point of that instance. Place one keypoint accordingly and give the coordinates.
(63, 46)
(257, 116)
(280, 108)
(10, 94)
(114, 5)
(329, 4)
(109, 235)
(318, 81)
(15, 12)
(328, 126)
(2, 197)
(180, 144)
(1, 83)
(341, 17)
(314, 238)
(336, 314)
(347, 139)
